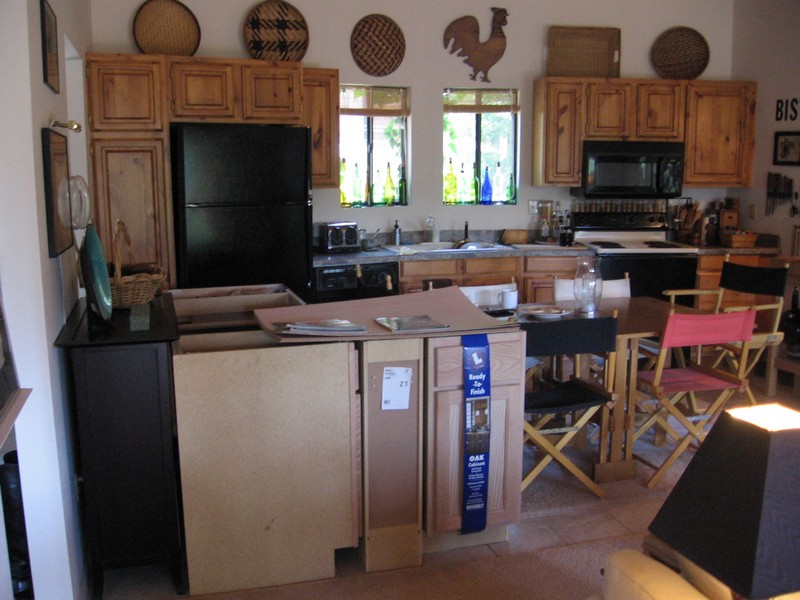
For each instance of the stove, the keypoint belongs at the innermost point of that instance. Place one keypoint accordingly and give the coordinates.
(631, 242)
(634, 244)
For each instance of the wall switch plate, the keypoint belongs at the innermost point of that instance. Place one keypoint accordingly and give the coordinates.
(531, 207)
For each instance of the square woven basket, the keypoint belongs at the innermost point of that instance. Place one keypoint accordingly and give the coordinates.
(739, 240)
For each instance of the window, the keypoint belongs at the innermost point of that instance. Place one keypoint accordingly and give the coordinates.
(372, 146)
(479, 144)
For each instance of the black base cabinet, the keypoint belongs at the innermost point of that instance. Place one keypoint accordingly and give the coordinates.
(123, 412)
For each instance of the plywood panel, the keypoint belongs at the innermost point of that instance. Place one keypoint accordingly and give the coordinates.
(266, 471)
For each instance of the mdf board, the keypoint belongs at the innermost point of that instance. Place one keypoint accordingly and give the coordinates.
(392, 441)
(266, 451)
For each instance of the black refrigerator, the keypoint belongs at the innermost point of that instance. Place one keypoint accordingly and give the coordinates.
(242, 205)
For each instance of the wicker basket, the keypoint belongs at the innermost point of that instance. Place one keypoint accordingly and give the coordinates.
(739, 240)
(135, 283)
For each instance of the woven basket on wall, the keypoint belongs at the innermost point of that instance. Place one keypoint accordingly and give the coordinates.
(166, 27)
(377, 45)
(276, 30)
(680, 53)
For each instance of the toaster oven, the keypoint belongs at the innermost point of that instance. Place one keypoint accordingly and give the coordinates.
(340, 236)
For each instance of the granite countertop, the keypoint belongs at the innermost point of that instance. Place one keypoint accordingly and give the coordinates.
(381, 254)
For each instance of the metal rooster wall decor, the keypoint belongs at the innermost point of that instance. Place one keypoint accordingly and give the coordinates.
(464, 32)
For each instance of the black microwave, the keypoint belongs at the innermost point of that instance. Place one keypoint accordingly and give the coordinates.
(632, 169)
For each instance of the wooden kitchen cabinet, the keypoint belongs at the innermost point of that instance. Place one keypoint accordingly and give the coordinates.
(539, 274)
(458, 271)
(715, 120)
(557, 131)
(631, 109)
(660, 107)
(720, 133)
(124, 92)
(414, 273)
(231, 91)
(321, 114)
(131, 101)
(202, 89)
(610, 109)
(272, 91)
(445, 430)
(490, 271)
(130, 184)
(122, 406)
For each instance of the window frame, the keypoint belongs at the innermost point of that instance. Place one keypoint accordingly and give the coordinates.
(370, 102)
(480, 102)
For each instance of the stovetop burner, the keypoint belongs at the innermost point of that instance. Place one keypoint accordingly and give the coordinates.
(605, 244)
(656, 244)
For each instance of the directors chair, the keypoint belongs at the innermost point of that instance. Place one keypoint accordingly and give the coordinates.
(558, 412)
(744, 287)
(669, 385)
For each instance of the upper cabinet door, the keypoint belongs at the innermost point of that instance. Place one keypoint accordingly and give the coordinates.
(610, 109)
(273, 92)
(720, 133)
(125, 93)
(321, 114)
(660, 110)
(202, 90)
(557, 131)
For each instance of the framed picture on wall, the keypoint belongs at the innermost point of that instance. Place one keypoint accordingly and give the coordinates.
(50, 46)
(56, 192)
(787, 148)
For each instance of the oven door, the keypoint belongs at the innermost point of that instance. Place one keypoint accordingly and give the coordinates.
(651, 274)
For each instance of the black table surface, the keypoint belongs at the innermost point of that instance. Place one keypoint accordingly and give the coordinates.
(85, 328)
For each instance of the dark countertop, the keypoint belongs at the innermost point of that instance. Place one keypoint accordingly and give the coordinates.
(381, 254)
(84, 328)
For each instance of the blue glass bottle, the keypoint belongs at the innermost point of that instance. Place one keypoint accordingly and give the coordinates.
(486, 189)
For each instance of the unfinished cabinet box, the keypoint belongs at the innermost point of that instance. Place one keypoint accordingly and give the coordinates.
(444, 415)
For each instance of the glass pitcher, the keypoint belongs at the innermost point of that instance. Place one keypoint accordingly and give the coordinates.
(588, 286)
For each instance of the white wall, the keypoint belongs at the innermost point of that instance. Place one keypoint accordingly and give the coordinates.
(767, 50)
(38, 291)
(427, 68)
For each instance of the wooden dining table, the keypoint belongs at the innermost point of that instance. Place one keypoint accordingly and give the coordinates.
(638, 318)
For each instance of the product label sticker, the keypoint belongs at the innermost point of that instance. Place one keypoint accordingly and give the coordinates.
(396, 388)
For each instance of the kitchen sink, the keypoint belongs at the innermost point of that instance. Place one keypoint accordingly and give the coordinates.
(447, 247)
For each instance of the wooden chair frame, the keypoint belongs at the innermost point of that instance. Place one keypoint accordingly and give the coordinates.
(581, 400)
(669, 385)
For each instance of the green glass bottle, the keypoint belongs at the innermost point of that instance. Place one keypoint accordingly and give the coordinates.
(344, 198)
(402, 191)
(358, 191)
(376, 194)
(450, 186)
(388, 187)
(511, 189)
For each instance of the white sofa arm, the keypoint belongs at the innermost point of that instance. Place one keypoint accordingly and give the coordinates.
(630, 575)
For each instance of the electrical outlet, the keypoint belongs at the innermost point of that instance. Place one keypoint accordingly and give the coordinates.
(752, 211)
(531, 207)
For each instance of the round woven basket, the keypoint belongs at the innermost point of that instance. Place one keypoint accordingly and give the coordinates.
(276, 30)
(377, 45)
(679, 53)
(166, 27)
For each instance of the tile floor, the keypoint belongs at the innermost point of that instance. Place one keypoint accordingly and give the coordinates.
(622, 515)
